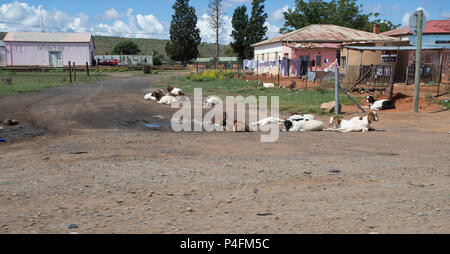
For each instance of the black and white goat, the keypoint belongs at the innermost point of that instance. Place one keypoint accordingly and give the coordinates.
(304, 125)
(381, 104)
(154, 96)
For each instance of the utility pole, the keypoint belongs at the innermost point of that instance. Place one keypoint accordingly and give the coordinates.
(337, 108)
(42, 21)
(418, 60)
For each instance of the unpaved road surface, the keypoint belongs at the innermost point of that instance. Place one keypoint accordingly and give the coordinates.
(99, 168)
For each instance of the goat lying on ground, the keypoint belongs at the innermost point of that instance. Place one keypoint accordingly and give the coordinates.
(356, 124)
(381, 104)
(268, 121)
(294, 118)
(167, 99)
(304, 125)
(240, 127)
(154, 96)
(212, 101)
(266, 85)
(220, 122)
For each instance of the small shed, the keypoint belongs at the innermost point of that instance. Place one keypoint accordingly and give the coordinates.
(48, 49)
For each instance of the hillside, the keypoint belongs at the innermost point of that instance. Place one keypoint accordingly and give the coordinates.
(105, 44)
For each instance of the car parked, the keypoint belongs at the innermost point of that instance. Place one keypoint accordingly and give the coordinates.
(109, 62)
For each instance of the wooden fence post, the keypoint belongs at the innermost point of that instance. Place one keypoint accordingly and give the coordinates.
(441, 61)
(74, 72)
(87, 68)
(70, 72)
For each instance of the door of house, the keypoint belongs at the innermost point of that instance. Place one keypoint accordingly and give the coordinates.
(2, 56)
(55, 58)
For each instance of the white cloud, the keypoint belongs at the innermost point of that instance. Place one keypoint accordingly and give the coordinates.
(278, 15)
(111, 14)
(405, 19)
(445, 15)
(209, 35)
(272, 31)
(227, 4)
(20, 16)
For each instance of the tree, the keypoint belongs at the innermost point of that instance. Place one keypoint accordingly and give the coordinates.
(157, 58)
(385, 25)
(215, 20)
(127, 47)
(184, 34)
(239, 22)
(256, 27)
(346, 13)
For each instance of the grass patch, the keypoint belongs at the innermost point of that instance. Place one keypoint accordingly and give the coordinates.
(308, 101)
(26, 82)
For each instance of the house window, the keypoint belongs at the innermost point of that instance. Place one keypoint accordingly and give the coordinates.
(344, 62)
(319, 61)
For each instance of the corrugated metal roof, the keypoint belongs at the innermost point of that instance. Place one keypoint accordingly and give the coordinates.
(2, 44)
(436, 47)
(327, 34)
(312, 45)
(433, 27)
(47, 37)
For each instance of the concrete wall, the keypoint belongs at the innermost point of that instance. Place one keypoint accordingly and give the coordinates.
(37, 54)
(368, 57)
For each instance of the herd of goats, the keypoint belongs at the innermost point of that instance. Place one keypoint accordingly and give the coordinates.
(296, 122)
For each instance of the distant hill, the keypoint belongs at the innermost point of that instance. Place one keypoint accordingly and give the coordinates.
(105, 44)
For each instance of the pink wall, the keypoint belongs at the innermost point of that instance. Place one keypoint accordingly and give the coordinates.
(35, 53)
(329, 54)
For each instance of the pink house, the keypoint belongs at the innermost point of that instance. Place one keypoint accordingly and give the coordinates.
(319, 44)
(48, 49)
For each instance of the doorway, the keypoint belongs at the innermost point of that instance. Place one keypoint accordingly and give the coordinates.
(55, 58)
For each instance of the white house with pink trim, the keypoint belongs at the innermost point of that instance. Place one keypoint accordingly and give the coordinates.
(48, 49)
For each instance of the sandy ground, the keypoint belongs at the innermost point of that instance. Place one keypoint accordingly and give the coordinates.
(89, 163)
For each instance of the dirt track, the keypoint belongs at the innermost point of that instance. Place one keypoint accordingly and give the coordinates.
(99, 168)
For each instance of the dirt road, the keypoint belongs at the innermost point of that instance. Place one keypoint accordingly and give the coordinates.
(97, 169)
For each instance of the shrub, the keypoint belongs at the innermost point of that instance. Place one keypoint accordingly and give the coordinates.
(147, 69)
(211, 76)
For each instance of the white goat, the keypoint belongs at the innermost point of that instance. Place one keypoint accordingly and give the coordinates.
(269, 85)
(268, 121)
(177, 92)
(212, 101)
(356, 124)
(167, 99)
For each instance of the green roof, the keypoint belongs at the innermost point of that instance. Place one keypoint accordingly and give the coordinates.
(204, 60)
(221, 59)
(228, 59)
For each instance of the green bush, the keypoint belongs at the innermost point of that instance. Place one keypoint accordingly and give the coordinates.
(211, 76)
(147, 69)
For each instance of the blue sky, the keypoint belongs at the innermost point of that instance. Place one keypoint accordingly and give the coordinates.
(151, 18)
